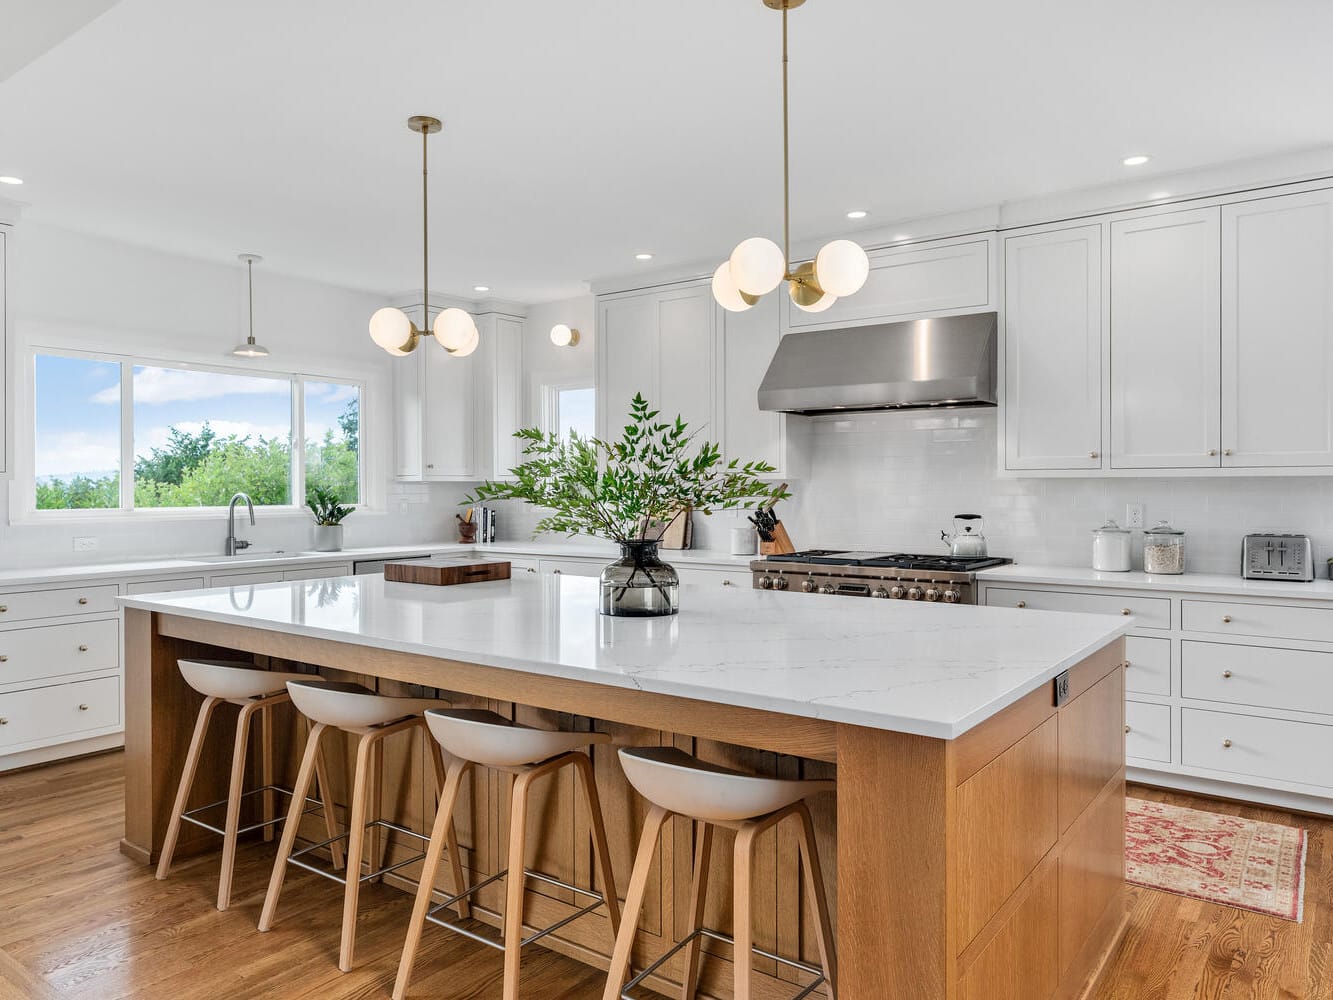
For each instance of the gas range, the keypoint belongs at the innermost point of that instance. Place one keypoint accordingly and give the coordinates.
(887, 575)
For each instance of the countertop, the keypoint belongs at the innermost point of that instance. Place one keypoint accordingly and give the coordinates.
(1194, 583)
(930, 670)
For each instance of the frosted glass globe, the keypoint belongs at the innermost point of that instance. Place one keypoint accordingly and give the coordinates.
(561, 335)
(391, 329)
(726, 293)
(757, 265)
(841, 268)
(818, 306)
(469, 345)
(453, 327)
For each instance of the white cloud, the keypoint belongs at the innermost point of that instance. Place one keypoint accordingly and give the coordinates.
(331, 392)
(65, 453)
(173, 385)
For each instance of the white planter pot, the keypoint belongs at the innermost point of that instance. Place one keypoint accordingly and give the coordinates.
(328, 537)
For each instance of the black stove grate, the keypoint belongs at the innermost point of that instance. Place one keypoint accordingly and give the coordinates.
(891, 560)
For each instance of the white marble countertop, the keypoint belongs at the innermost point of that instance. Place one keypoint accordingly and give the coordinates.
(932, 670)
(1195, 583)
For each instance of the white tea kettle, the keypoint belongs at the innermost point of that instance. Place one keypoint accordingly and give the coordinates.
(968, 539)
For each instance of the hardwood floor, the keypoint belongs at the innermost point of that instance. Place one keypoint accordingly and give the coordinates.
(79, 920)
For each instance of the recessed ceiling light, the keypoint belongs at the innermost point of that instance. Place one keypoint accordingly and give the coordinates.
(902, 236)
(1135, 161)
(1158, 196)
(481, 288)
(11, 180)
(643, 256)
(857, 213)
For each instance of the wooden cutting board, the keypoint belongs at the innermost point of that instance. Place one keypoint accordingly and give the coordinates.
(447, 573)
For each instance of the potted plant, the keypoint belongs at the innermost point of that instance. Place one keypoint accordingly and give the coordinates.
(624, 491)
(329, 515)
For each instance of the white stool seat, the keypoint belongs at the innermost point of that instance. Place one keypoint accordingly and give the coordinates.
(233, 680)
(679, 783)
(351, 706)
(483, 737)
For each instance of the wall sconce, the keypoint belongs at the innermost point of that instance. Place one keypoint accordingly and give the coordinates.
(564, 336)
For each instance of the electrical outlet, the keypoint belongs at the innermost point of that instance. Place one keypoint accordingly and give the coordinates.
(86, 543)
(1133, 515)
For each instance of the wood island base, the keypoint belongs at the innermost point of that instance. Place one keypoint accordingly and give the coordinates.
(988, 867)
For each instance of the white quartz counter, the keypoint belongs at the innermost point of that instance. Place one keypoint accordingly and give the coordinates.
(1194, 583)
(931, 670)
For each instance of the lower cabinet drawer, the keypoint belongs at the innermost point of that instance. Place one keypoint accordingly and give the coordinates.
(1276, 621)
(1148, 612)
(714, 577)
(1279, 749)
(28, 654)
(1148, 731)
(54, 603)
(573, 567)
(1298, 680)
(1149, 670)
(164, 586)
(45, 715)
(318, 572)
(245, 579)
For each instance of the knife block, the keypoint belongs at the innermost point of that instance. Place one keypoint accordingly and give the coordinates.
(780, 545)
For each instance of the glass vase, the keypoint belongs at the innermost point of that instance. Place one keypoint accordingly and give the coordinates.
(639, 584)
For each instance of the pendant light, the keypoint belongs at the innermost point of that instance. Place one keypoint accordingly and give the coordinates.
(454, 329)
(250, 349)
(758, 265)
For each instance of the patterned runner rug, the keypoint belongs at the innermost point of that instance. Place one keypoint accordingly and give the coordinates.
(1222, 859)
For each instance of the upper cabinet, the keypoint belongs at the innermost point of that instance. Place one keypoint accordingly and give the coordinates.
(1165, 337)
(1053, 349)
(4, 358)
(1277, 332)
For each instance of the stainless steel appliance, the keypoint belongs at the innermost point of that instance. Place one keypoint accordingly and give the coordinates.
(1277, 557)
(968, 538)
(889, 576)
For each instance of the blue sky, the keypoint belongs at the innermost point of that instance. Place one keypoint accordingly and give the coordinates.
(78, 410)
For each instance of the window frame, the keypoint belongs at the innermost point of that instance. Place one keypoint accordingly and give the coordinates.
(549, 402)
(25, 480)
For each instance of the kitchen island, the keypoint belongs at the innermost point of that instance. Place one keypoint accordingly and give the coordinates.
(975, 846)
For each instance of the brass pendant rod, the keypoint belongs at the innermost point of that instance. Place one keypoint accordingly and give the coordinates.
(425, 237)
(786, 155)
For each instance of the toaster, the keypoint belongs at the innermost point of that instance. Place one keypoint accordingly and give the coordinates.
(1277, 557)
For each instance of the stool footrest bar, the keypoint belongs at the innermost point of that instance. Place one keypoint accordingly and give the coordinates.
(538, 933)
(295, 858)
(665, 957)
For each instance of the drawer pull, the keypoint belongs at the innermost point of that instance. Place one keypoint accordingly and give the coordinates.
(557, 572)
(1126, 664)
(1127, 729)
(4, 658)
(1226, 674)
(1227, 744)
(1092, 454)
(83, 600)
(83, 708)
(83, 647)
(1212, 452)
(1226, 619)
(727, 583)
(1022, 604)
(1125, 611)
(3, 721)
(532, 569)
(3, 609)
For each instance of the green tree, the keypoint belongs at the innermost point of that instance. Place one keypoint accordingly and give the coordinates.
(183, 453)
(80, 493)
(350, 422)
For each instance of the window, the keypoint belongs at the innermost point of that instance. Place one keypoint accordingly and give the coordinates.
(191, 437)
(570, 406)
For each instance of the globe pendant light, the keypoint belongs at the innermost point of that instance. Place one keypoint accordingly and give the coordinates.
(250, 349)
(758, 265)
(454, 329)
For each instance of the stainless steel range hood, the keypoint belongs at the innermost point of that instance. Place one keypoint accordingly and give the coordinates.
(921, 363)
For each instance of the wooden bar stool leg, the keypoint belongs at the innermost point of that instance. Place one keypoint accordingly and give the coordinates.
(441, 834)
(464, 905)
(324, 792)
(741, 908)
(356, 837)
(703, 852)
(588, 779)
(515, 883)
(303, 778)
(375, 836)
(192, 756)
(234, 793)
(266, 770)
(638, 888)
(814, 884)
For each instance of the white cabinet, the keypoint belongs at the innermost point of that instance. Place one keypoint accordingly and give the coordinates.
(1053, 350)
(320, 572)
(1277, 331)
(1165, 341)
(4, 359)
(574, 567)
(907, 282)
(748, 341)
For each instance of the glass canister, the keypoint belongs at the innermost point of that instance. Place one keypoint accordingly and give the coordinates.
(1163, 550)
(1110, 548)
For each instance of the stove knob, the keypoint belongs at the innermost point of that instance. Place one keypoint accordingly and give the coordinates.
(808, 586)
(897, 592)
(765, 582)
(932, 594)
(879, 592)
(826, 588)
(780, 583)
(951, 596)
(914, 594)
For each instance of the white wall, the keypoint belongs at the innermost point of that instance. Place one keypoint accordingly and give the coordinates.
(543, 362)
(73, 290)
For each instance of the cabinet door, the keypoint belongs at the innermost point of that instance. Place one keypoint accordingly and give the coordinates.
(508, 395)
(685, 361)
(1277, 331)
(627, 351)
(4, 355)
(1053, 350)
(1166, 341)
(407, 415)
(449, 416)
(748, 340)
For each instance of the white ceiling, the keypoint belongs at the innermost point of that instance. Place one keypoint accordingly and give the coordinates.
(578, 133)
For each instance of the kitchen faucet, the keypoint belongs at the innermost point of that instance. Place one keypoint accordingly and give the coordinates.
(235, 544)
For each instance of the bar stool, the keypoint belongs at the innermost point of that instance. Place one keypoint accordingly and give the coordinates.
(673, 782)
(475, 737)
(373, 717)
(256, 691)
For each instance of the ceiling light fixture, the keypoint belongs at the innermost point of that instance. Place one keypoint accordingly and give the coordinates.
(250, 349)
(857, 213)
(758, 265)
(643, 256)
(11, 180)
(563, 335)
(454, 329)
(1136, 161)
(481, 288)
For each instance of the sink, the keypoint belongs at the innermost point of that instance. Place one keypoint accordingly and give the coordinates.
(251, 557)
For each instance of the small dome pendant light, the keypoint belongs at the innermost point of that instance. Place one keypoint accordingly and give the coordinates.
(250, 349)
(758, 265)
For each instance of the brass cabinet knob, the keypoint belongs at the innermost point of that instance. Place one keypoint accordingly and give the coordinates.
(1126, 664)
(1212, 452)
(429, 466)
(532, 569)
(1092, 454)
(1227, 744)
(83, 708)
(1226, 674)
(1226, 619)
(4, 658)
(1022, 604)
(557, 572)
(3, 721)
(83, 600)
(3, 609)
(1127, 729)
(83, 647)
(1226, 451)
(727, 583)
(1124, 611)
